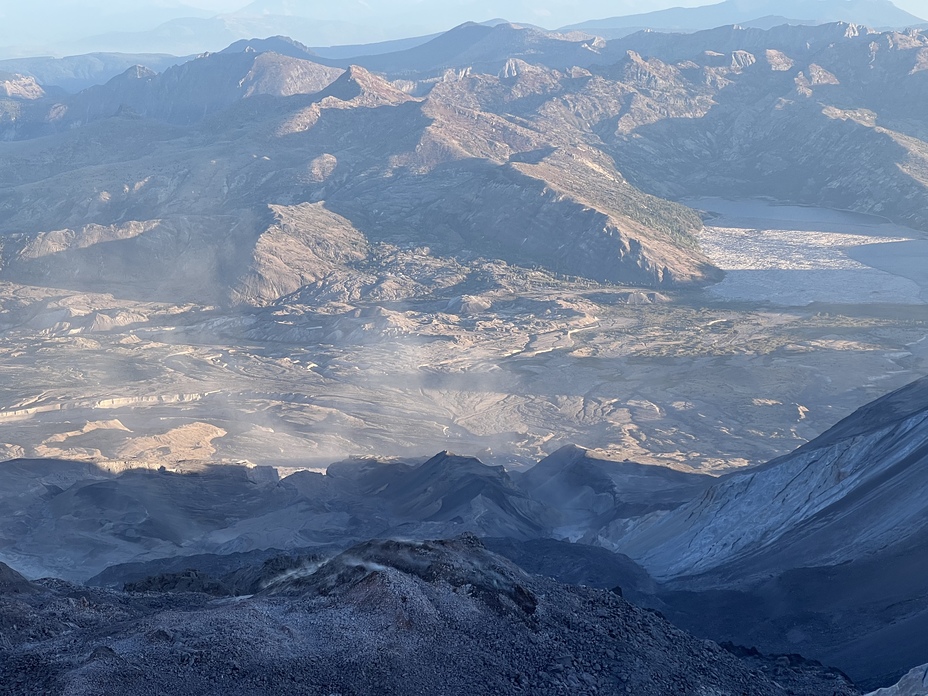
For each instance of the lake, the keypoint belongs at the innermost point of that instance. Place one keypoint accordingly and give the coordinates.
(796, 255)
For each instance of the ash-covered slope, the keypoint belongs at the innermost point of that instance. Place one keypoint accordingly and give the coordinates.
(915, 683)
(12, 583)
(823, 551)
(447, 491)
(856, 491)
(385, 617)
(577, 564)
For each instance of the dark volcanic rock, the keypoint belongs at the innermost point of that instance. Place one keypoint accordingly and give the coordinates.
(793, 671)
(576, 564)
(464, 564)
(188, 581)
(385, 617)
(588, 492)
(12, 583)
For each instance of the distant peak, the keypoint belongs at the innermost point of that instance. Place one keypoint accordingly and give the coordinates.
(471, 27)
(136, 72)
(571, 450)
(282, 45)
(358, 84)
(357, 73)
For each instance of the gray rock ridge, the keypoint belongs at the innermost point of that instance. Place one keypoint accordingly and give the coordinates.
(95, 520)
(830, 500)
(246, 573)
(74, 520)
(589, 493)
(12, 583)
(578, 564)
(832, 567)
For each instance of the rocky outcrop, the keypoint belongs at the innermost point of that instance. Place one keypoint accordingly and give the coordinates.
(20, 87)
(588, 493)
(187, 581)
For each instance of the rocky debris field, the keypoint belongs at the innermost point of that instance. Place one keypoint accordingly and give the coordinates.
(832, 563)
(383, 617)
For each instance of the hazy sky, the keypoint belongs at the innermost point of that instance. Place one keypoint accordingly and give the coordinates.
(917, 7)
(42, 7)
(575, 10)
(58, 27)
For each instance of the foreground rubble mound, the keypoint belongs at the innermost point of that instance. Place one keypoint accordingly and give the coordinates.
(387, 617)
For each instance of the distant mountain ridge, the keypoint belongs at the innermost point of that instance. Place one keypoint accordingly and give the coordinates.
(880, 14)
(76, 73)
(379, 26)
(538, 190)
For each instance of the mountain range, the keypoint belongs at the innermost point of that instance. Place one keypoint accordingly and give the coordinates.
(761, 14)
(427, 151)
(573, 151)
(220, 278)
(375, 217)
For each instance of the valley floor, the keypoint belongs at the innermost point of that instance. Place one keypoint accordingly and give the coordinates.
(736, 375)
